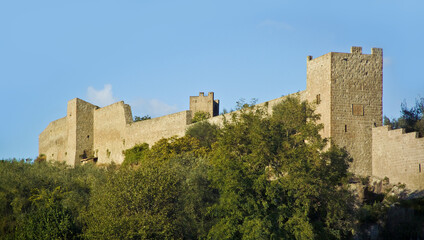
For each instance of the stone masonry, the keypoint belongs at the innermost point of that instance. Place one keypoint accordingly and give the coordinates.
(346, 89)
(398, 156)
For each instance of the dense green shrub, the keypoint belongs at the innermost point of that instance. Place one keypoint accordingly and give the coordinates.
(44, 200)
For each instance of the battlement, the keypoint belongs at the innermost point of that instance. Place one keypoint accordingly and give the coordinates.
(377, 51)
(374, 51)
(398, 155)
(387, 131)
(354, 50)
(357, 50)
(202, 94)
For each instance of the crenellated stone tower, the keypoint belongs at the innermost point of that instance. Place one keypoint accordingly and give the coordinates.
(204, 103)
(348, 90)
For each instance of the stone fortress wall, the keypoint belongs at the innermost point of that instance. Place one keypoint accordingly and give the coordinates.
(346, 89)
(398, 156)
(54, 140)
(103, 134)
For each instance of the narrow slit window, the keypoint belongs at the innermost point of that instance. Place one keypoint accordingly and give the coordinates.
(345, 128)
(318, 98)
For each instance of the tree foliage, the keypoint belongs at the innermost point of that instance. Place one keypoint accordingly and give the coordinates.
(44, 200)
(134, 205)
(138, 118)
(200, 116)
(205, 132)
(135, 154)
(411, 119)
(275, 180)
(164, 196)
(47, 218)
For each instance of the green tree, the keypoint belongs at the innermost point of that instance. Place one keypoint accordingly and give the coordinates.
(134, 204)
(205, 132)
(44, 200)
(48, 218)
(138, 118)
(200, 116)
(169, 148)
(164, 195)
(134, 155)
(411, 119)
(275, 180)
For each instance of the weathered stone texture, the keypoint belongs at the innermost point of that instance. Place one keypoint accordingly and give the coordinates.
(109, 132)
(53, 141)
(348, 87)
(83, 115)
(398, 156)
(102, 134)
(152, 130)
(318, 88)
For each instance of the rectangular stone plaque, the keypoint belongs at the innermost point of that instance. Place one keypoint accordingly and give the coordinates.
(358, 110)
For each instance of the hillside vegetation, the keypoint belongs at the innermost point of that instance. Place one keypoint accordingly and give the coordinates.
(255, 177)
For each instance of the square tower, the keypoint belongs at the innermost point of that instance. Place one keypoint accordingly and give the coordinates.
(79, 120)
(204, 103)
(348, 89)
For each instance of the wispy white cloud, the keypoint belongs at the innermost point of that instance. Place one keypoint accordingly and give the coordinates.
(387, 61)
(276, 24)
(152, 107)
(101, 97)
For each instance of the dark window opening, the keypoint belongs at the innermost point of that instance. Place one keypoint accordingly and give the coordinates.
(345, 128)
(318, 98)
(83, 155)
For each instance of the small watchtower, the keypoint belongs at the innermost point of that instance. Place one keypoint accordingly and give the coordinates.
(204, 103)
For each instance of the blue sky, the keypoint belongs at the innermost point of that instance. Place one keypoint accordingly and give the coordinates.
(155, 54)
